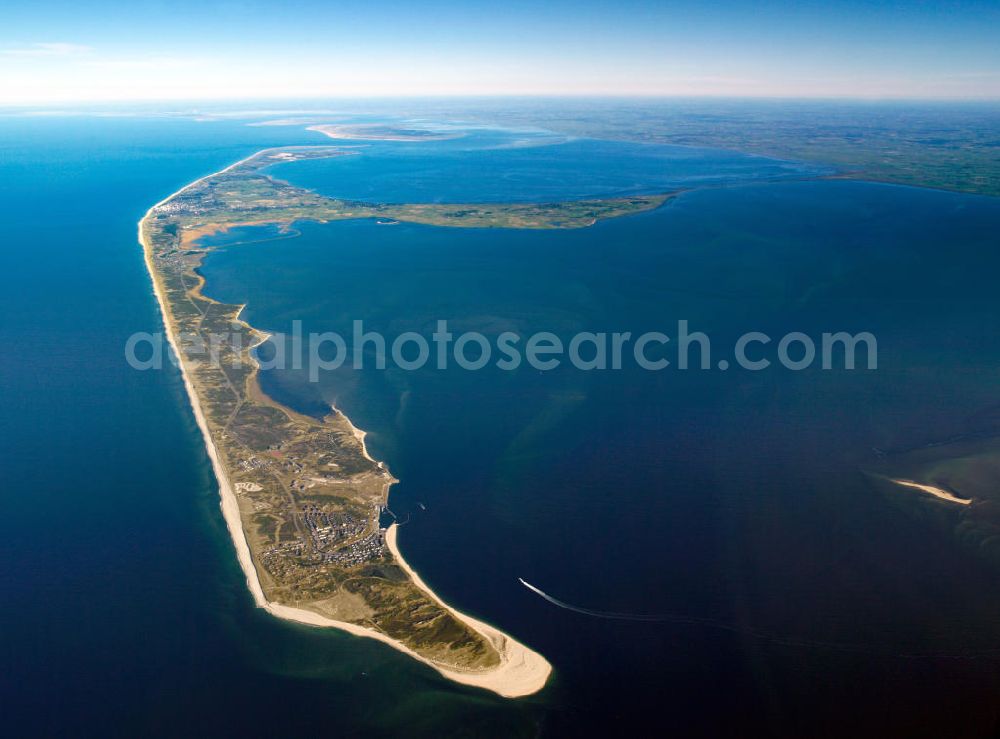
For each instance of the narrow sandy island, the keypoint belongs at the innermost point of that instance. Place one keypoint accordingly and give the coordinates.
(372, 132)
(521, 671)
(931, 490)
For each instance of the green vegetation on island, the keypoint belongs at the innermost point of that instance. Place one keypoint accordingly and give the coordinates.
(310, 499)
(243, 196)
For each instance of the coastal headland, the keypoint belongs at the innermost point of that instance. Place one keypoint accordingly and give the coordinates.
(302, 498)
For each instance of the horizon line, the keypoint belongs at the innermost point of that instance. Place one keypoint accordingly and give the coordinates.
(501, 96)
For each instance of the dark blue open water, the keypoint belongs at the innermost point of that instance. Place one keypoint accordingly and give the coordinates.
(730, 498)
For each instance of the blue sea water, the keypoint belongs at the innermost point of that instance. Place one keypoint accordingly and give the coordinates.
(731, 501)
(496, 165)
(124, 611)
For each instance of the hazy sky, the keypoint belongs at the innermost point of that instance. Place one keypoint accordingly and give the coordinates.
(186, 49)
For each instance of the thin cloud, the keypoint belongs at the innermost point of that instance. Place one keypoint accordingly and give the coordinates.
(151, 63)
(49, 49)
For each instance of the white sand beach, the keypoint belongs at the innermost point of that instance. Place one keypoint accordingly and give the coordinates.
(521, 671)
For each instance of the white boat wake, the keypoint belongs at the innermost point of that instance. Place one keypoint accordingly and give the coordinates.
(754, 633)
(598, 614)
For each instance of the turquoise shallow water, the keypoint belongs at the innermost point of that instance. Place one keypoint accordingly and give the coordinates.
(729, 496)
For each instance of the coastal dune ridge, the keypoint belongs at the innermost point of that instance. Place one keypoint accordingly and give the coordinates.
(521, 671)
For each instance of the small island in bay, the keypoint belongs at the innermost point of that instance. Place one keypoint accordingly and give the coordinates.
(302, 498)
